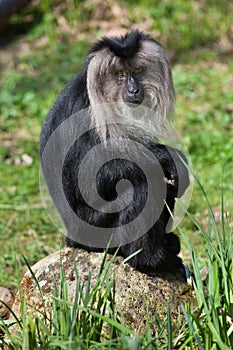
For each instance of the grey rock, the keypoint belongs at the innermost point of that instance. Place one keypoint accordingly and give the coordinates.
(135, 292)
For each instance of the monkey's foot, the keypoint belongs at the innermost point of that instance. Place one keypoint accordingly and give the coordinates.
(188, 275)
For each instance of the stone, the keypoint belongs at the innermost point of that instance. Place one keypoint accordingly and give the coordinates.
(7, 297)
(135, 292)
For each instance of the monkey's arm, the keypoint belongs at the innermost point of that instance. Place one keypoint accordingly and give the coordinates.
(72, 99)
(174, 165)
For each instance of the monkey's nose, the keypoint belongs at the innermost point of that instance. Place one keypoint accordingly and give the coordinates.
(134, 90)
(132, 86)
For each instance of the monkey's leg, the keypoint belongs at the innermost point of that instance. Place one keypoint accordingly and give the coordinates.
(171, 243)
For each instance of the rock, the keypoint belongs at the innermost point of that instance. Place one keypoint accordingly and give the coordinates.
(26, 159)
(7, 297)
(134, 290)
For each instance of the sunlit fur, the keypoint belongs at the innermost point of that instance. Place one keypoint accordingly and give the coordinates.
(103, 87)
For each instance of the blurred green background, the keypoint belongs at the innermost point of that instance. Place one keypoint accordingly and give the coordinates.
(44, 45)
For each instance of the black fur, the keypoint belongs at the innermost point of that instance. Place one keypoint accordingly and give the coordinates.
(159, 250)
(125, 47)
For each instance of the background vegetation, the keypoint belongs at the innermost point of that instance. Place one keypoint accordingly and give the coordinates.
(43, 46)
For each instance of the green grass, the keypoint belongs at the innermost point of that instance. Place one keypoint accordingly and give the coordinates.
(210, 326)
(81, 324)
(38, 62)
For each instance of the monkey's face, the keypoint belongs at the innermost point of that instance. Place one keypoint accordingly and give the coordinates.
(144, 79)
(129, 82)
(111, 79)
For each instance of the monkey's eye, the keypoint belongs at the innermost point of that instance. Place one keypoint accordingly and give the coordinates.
(137, 70)
(120, 74)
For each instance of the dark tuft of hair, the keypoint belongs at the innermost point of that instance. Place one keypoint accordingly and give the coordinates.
(125, 46)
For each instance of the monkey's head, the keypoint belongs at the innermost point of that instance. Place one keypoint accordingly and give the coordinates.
(132, 69)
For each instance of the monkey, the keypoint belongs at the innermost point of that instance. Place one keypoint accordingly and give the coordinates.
(125, 76)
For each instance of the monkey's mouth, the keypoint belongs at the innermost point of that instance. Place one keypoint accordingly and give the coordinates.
(133, 99)
(137, 102)
(134, 103)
